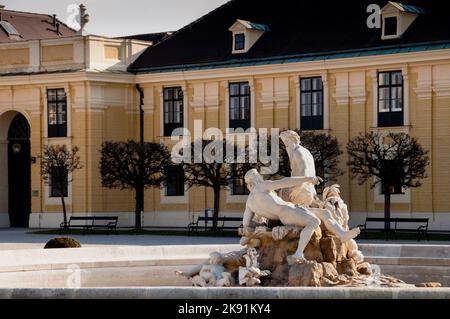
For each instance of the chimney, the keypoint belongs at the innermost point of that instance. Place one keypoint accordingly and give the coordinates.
(57, 29)
(54, 20)
(84, 18)
(1, 11)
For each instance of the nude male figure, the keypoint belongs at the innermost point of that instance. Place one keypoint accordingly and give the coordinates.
(302, 164)
(263, 201)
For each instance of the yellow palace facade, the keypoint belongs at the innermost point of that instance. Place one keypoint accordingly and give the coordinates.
(235, 67)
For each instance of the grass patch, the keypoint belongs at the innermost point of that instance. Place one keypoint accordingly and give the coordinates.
(138, 232)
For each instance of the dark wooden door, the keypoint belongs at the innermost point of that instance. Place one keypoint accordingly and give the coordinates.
(19, 172)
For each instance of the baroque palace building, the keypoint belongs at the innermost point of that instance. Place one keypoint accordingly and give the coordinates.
(313, 65)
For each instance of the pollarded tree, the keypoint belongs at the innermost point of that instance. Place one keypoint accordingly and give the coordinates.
(58, 164)
(396, 160)
(214, 170)
(133, 165)
(324, 148)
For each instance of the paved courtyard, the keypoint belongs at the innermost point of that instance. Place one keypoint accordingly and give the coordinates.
(21, 238)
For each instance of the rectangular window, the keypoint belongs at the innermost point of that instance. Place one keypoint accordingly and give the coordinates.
(311, 103)
(239, 41)
(57, 112)
(59, 183)
(173, 109)
(240, 105)
(239, 187)
(390, 99)
(175, 181)
(390, 26)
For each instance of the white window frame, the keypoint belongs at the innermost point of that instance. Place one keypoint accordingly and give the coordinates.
(326, 99)
(251, 83)
(406, 107)
(161, 106)
(44, 91)
(393, 36)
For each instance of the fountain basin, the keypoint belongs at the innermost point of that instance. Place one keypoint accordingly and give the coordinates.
(148, 272)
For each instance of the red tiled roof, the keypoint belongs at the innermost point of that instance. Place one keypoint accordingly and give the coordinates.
(33, 26)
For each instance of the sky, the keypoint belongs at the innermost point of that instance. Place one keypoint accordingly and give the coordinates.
(124, 17)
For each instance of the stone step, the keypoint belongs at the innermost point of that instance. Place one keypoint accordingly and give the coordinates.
(405, 250)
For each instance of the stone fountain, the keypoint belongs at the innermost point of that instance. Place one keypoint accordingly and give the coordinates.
(311, 247)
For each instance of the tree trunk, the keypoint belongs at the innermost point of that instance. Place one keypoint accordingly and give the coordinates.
(387, 208)
(139, 207)
(63, 203)
(216, 206)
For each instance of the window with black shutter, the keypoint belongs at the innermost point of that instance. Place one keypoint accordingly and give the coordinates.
(173, 109)
(390, 99)
(57, 112)
(175, 181)
(59, 183)
(240, 105)
(239, 187)
(311, 103)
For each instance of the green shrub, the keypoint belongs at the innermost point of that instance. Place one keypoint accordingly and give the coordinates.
(62, 242)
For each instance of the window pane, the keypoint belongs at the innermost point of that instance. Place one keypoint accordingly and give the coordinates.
(396, 105)
(384, 106)
(52, 108)
(317, 109)
(384, 78)
(61, 94)
(384, 94)
(52, 119)
(317, 84)
(234, 108)
(51, 95)
(305, 85)
(306, 110)
(234, 89)
(245, 108)
(177, 112)
(396, 93)
(396, 78)
(166, 117)
(245, 89)
(245, 102)
(306, 98)
(166, 94)
(317, 98)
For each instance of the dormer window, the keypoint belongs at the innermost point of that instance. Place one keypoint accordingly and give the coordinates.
(397, 18)
(245, 35)
(390, 26)
(239, 41)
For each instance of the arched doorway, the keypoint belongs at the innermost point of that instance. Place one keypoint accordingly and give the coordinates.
(19, 170)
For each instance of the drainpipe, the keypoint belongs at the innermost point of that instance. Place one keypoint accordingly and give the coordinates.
(141, 113)
(141, 160)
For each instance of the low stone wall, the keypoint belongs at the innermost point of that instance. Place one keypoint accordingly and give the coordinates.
(154, 266)
(228, 293)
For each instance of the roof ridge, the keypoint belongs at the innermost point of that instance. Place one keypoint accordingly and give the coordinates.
(145, 33)
(194, 22)
(26, 12)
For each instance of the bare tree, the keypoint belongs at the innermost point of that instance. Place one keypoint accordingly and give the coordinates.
(396, 160)
(58, 164)
(133, 165)
(216, 173)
